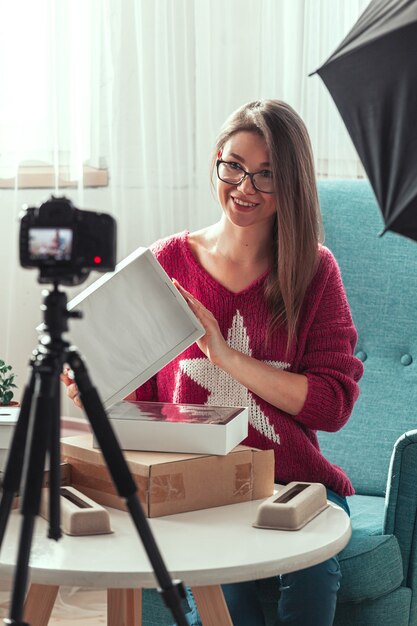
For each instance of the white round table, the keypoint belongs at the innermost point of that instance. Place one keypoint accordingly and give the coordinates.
(202, 548)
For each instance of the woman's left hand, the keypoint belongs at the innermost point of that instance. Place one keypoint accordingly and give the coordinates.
(213, 344)
(285, 390)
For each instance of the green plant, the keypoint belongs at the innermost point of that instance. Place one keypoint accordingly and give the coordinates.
(6, 383)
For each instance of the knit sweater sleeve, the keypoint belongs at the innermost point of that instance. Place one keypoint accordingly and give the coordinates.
(328, 358)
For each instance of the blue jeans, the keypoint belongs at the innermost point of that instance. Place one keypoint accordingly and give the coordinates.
(307, 597)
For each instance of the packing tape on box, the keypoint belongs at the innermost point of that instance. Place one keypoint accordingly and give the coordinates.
(243, 479)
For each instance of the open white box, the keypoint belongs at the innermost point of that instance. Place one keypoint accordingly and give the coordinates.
(134, 323)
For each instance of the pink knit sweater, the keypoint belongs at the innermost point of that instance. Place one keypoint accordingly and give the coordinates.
(323, 352)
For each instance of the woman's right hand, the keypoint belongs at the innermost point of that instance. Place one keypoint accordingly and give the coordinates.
(72, 389)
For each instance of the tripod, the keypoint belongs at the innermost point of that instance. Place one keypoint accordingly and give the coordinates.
(37, 434)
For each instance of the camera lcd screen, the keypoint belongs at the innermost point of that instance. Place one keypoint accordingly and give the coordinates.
(50, 243)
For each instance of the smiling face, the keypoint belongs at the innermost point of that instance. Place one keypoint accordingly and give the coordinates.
(242, 204)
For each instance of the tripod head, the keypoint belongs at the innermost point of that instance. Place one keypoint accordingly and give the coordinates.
(55, 313)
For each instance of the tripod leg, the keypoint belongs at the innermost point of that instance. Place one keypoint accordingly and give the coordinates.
(14, 465)
(54, 467)
(33, 479)
(125, 485)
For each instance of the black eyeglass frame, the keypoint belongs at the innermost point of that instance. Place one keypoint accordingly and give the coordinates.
(245, 174)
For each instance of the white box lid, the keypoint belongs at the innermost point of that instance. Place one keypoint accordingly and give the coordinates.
(134, 323)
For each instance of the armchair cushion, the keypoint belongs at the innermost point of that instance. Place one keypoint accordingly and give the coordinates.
(392, 609)
(371, 563)
(367, 515)
(371, 568)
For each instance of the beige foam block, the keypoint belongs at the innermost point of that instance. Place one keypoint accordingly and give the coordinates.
(80, 515)
(296, 504)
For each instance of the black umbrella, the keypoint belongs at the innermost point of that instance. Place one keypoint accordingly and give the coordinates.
(372, 77)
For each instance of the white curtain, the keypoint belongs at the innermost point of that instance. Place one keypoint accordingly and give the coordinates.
(141, 87)
(50, 56)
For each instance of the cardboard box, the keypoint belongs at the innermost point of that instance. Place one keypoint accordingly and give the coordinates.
(173, 483)
(65, 476)
(169, 427)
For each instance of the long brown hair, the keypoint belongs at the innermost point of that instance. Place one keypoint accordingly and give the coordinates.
(298, 226)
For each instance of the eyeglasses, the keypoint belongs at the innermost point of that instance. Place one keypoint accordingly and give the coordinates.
(233, 174)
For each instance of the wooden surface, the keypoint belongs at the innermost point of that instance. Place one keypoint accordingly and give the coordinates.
(212, 606)
(40, 601)
(124, 607)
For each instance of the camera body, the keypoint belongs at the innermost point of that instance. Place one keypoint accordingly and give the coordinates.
(66, 243)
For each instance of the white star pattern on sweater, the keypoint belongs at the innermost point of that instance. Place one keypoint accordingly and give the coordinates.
(225, 390)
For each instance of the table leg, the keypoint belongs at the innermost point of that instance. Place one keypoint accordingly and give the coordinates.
(212, 606)
(39, 603)
(124, 607)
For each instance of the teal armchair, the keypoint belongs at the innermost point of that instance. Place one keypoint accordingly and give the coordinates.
(378, 446)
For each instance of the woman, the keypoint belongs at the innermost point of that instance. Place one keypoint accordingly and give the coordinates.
(279, 333)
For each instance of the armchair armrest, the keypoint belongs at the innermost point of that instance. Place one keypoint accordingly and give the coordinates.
(401, 503)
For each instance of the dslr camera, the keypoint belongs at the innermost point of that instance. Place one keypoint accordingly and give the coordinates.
(66, 243)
